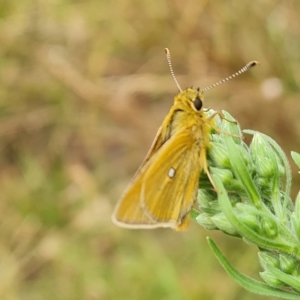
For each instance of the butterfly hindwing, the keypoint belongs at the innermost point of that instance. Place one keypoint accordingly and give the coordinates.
(176, 174)
(148, 202)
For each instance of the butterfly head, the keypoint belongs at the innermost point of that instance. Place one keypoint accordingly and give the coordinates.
(190, 99)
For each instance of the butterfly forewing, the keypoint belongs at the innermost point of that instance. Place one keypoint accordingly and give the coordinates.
(174, 177)
(129, 213)
(149, 202)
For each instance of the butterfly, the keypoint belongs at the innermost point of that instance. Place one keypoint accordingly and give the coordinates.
(165, 187)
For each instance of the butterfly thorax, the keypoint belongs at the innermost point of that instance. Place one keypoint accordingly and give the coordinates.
(187, 115)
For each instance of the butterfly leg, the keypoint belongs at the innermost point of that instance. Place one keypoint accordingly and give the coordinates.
(203, 163)
(221, 115)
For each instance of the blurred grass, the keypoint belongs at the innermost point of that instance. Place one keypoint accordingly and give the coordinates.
(84, 85)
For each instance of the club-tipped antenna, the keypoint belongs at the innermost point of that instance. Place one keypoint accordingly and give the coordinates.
(248, 66)
(168, 55)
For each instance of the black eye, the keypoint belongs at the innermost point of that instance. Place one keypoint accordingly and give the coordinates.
(198, 103)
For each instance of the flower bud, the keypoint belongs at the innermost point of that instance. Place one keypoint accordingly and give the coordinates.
(263, 155)
(270, 279)
(231, 127)
(204, 198)
(225, 175)
(204, 219)
(250, 220)
(268, 258)
(219, 155)
(288, 264)
(223, 224)
(263, 183)
(246, 215)
(269, 228)
(244, 150)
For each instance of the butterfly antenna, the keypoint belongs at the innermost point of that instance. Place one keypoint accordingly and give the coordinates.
(168, 55)
(248, 66)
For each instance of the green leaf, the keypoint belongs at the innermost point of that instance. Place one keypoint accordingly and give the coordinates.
(296, 158)
(247, 232)
(246, 282)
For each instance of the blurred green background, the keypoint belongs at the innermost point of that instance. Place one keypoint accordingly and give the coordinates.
(84, 86)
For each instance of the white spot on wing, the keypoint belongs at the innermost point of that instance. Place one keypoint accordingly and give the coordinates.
(171, 173)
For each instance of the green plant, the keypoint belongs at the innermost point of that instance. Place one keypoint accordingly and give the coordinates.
(254, 203)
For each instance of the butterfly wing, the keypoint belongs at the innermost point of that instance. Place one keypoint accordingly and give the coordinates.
(176, 188)
(156, 145)
(163, 191)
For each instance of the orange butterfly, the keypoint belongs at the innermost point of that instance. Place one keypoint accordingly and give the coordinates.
(165, 187)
